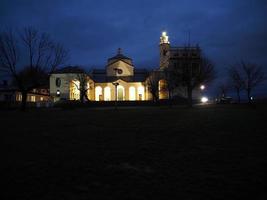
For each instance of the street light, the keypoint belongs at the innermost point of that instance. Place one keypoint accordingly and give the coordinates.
(116, 85)
(58, 93)
(202, 87)
(204, 99)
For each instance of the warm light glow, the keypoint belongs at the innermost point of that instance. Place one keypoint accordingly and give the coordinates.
(202, 87)
(132, 96)
(163, 92)
(32, 98)
(204, 99)
(107, 94)
(88, 90)
(141, 93)
(74, 90)
(98, 93)
(120, 93)
(164, 39)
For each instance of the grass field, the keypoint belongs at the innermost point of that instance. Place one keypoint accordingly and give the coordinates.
(208, 152)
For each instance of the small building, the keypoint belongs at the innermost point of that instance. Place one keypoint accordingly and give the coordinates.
(9, 93)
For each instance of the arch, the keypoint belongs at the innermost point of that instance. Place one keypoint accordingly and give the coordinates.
(107, 94)
(132, 96)
(88, 90)
(120, 93)
(98, 93)
(141, 93)
(74, 90)
(163, 91)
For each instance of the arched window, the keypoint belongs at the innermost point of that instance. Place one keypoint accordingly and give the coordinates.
(132, 96)
(141, 93)
(120, 93)
(58, 82)
(98, 93)
(107, 94)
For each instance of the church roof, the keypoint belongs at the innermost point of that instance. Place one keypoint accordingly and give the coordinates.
(69, 69)
(99, 76)
(121, 57)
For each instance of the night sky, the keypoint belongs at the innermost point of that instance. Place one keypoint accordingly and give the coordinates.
(227, 30)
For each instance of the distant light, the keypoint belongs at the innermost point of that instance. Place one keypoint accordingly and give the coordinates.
(58, 93)
(164, 39)
(204, 99)
(251, 98)
(202, 87)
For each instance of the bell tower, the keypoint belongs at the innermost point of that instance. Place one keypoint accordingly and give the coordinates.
(164, 50)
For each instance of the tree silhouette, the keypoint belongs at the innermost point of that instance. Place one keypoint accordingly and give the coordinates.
(42, 57)
(153, 84)
(83, 85)
(192, 76)
(236, 81)
(252, 75)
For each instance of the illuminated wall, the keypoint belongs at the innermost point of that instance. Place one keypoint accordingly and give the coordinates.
(163, 91)
(74, 90)
(120, 93)
(98, 93)
(141, 93)
(107, 94)
(132, 95)
(104, 91)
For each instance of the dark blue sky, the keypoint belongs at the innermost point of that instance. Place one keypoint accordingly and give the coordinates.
(227, 30)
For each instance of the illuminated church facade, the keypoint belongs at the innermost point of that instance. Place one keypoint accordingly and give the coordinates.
(120, 80)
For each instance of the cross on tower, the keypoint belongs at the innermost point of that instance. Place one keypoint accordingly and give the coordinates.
(119, 50)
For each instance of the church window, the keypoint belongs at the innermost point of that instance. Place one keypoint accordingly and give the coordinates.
(120, 93)
(58, 82)
(120, 71)
(98, 93)
(132, 93)
(141, 93)
(164, 52)
(107, 94)
(32, 98)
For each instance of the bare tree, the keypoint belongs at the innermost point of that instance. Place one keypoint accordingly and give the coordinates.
(192, 76)
(82, 85)
(171, 80)
(252, 76)
(223, 89)
(44, 56)
(153, 85)
(236, 81)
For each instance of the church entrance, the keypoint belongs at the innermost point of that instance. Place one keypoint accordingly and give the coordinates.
(120, 93)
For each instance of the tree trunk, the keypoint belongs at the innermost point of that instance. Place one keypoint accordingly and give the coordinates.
(189, 97)
(23, 100)
(248, 93)
(238, 95)
(170, 98)
(82, 94)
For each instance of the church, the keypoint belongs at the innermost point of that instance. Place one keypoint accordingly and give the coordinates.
(120, 80)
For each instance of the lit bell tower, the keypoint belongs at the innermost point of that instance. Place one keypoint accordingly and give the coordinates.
(164, 48)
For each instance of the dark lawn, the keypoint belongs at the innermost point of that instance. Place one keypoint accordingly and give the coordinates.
(211, 152)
